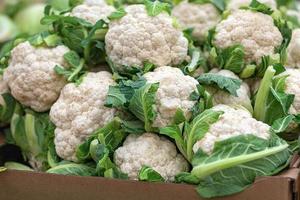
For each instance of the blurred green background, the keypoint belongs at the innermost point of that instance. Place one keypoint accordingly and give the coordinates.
(23, 16)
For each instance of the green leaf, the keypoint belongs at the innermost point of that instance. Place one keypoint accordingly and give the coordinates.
(186, 177)
(7, 108)
(260, 7)
(179, 117)
(280, 125)
(73, 169)
(231, 58)
(17, 166)
(115, 173)
(142, 104)
(75, 72)
(150, 175)
(156, 7)
(235, 163)
(118, 14)
(219, 4)
(230, 85)
(119, 96)
(198, 128)
(115, 98)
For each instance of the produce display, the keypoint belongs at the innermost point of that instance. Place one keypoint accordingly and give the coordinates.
(200, 92)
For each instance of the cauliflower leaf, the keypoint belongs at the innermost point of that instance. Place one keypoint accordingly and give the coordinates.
(235, 163)
(150, 175)
(228, 84)
(156, 7)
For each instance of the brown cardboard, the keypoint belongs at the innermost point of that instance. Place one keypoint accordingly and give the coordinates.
(18, 185)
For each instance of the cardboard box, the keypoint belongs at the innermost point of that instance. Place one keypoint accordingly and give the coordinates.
(18, 185)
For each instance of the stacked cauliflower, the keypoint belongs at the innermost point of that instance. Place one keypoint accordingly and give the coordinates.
(93, 10)
(174, 92)
(137, 38)
(200, 17)
(79, 111)
(31, 78)
(255, 31)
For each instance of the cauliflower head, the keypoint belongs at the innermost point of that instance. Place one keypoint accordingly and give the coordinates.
(93, 10)
(79, 111)
(138, 37)
(31, 76)
(293, 50)
(292, 83)
(234, 122)
(236, 4)
(255, 31)
(149, 150)
(174, 92)
(223, 97)
(201, 17)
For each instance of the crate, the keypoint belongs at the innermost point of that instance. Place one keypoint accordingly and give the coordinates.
(21, 185)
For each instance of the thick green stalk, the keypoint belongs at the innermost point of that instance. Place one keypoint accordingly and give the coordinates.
(263, 93)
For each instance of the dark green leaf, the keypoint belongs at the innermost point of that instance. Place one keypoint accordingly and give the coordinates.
(230, 85)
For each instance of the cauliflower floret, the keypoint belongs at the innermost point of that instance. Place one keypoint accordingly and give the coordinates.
(93, 10)
(236, 4)
(223, 97)
(255, 31)
(149, 150)
(138, 37)
(234, 122)
(79, 111)
(201, 17)
(292, 83)
(293, 50)
(31, 76)
(174, 92)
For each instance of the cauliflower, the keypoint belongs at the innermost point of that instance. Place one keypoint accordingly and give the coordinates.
(93, 10)
(292, 83)
(255, 31)
(201, 17)
(138, 37)
(234, 122)
(31, 76)
(174, 92)
(223, 97)
(79, 111)
(293, 50)
(149, 150)
(236, 4)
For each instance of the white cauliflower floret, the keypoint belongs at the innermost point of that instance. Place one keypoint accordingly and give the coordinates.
(234, 122)
(174, 92)
(292, 83)
(236, 4)
(255, 31)
(149, 150)
(138, 37)
(31, 76)
(223, 97)
(79, 111)
(201, 17)
(293, 50)
(93, 10)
